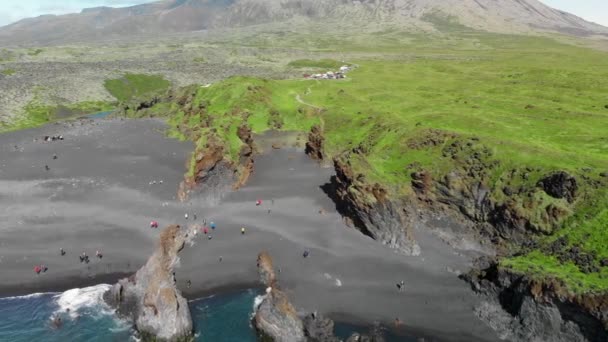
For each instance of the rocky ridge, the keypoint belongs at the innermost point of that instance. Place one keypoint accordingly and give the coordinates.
(276, 319)
(150, 298)
(172, 16)
(512, 209)
(521, 308)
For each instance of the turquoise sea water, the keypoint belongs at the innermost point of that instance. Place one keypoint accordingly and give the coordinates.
(219, 318)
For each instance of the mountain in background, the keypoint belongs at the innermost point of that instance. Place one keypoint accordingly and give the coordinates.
(174, 16)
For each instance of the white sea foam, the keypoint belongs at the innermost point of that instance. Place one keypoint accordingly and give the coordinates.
(76, 299)
(33, 295)
(257, 301)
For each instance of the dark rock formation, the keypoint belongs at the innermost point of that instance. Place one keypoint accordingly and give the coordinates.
(275, 318)
(520, 308)
(319, 328)
(246, 163)
(370, 209)
(150, 298)
(471, 197)
(314, 145)
(374, 337)
(560, 185)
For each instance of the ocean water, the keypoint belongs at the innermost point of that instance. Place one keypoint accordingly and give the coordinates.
(85, 317)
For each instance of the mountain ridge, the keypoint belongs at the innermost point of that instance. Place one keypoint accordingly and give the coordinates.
(175, 16)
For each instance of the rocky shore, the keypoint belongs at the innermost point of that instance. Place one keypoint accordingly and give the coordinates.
(276, 319)
(521, 308)
(150, 297)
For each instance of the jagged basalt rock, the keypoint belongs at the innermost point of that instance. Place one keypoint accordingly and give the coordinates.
(276, 318)
(314, 145)
(246, 162)
(560, 185)
(319, 328)
(521, 308)
(150, 297)
(370, 209)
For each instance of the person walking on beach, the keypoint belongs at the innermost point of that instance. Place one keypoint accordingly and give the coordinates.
(186, 216)
(98, 254)
(205, 231)
(401, 286)
(242, 230)
(306, 254)
(61, 251)
(37, 269)
(212, 224)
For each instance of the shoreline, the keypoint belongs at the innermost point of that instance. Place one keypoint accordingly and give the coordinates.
(355, 323)
(104, 189)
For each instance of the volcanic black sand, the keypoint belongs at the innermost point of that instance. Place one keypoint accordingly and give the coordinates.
(104, 188)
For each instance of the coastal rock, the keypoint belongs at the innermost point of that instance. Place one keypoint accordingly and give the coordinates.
(520, 308)
(560, 185)
(276, 318)
(150, 297)
(319, 328)
(314, 145)
(246, 162)
(470, 196)
(370, 209)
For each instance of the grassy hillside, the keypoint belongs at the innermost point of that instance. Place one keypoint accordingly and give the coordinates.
(36, 114)
(134, 85)
(524, 104)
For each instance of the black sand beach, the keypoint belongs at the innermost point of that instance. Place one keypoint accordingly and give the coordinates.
(104, 188)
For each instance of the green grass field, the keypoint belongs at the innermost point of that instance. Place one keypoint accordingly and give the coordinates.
(36, 114)
(133, 85)
(532, 102)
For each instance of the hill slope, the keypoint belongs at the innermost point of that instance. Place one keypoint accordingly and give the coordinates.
(172, 16)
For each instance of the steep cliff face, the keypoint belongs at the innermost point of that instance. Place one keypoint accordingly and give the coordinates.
(150, 297)
(275, 318)
(520, 308)
(370, 208)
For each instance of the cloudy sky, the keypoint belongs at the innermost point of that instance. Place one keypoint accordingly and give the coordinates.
(13, 10)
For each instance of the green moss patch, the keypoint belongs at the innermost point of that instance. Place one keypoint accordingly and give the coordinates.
(134, 85)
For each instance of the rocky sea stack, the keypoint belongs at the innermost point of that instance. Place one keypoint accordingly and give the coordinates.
(276, 319)
(150, 297)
